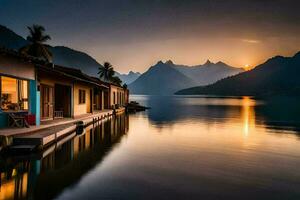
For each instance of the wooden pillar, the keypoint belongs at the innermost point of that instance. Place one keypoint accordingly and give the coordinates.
(102, 99)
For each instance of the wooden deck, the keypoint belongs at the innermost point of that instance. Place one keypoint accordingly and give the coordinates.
(45, 136)
(51, 123)
(52, 131)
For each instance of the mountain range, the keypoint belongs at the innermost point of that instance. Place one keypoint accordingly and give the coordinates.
(61, 55)
(207, 73)
(128, 78)
(278, 75)
(165, 78)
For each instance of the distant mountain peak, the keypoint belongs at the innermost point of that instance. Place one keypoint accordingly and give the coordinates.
(128, 78)
(131, 72)
(221, 63)
(208, 62)
(169, 62)
(160, 62)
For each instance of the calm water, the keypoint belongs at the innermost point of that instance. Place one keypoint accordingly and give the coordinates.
(183, 148)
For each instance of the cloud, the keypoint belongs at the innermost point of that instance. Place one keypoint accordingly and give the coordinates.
(251, 41)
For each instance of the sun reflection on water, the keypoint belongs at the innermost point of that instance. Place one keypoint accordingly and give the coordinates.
(248, 115)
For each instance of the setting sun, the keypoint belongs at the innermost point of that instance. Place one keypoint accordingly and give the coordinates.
(247, 67)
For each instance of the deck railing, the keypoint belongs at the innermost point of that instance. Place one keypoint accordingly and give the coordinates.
(58, 114)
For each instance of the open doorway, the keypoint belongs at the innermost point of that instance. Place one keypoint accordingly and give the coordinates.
(98, 101)
(62, 103)
(106, 99)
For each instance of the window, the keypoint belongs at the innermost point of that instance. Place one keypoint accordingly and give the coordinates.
(81, 97)
(23, 94)
(118, 97)
(114, 97)
(14, 94)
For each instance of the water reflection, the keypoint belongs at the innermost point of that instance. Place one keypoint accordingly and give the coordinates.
(201, 148)
(43, 175)
(182, 148)
(278, 113)
(248, 114)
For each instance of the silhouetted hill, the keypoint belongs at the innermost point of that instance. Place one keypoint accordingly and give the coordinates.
(160, 79)
(69, 57)
(11, 40)
(278, 75)
(72, 58)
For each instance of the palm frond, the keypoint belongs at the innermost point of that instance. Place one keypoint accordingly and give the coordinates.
(37, 37)
(45, 38)
(31, 31)
(46, 53)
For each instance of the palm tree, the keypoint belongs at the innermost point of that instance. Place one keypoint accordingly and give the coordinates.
(106, 72)
(37, 47)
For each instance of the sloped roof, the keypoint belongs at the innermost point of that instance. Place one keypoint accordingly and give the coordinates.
(65, 71)
(72, 73)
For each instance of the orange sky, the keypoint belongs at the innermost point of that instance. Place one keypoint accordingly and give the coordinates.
(134, 34)
(236, 52)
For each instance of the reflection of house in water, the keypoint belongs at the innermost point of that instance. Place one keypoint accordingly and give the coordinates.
(14, 181)
(44, 174)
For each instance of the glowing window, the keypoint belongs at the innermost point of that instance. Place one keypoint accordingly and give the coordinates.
(14, 94)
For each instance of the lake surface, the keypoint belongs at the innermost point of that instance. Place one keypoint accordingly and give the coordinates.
(182, 148)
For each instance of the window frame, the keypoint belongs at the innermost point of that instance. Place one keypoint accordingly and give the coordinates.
(114, 98)
(18, 79)
(81, 96)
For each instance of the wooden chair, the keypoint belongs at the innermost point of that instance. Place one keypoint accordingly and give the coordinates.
(17, 121)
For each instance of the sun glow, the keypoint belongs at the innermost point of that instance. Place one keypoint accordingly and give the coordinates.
(247, 67)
